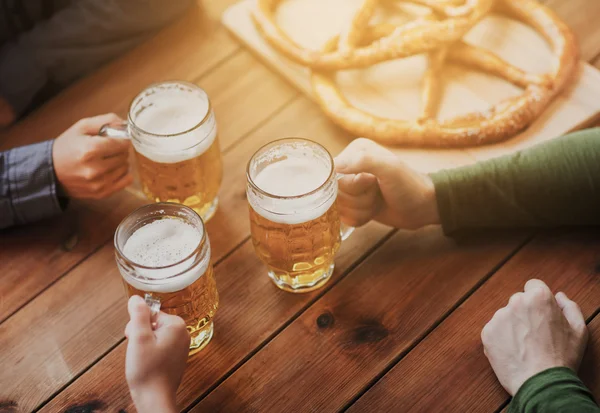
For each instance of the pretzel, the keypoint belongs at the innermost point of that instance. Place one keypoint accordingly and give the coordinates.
(414, 38)
(438, 35)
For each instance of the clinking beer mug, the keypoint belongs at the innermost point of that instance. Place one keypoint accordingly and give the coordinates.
(295, 226)
(174, 134)
(163, 254)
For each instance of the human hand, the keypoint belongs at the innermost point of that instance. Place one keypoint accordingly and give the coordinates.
(379, 186)
(89, 166)
(534, 332)
(155, 359)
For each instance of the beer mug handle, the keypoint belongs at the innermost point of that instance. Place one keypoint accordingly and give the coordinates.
(154, 304)
(345, 230)
(115, 130)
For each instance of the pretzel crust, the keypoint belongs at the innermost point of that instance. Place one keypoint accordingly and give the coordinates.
(363, 45)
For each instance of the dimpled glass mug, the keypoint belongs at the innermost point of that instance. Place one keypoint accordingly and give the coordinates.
(174, 134)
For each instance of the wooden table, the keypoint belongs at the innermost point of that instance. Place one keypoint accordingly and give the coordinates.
(396, 329)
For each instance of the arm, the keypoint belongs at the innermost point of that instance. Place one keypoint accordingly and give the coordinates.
(78, 164)
(552, 184)
(28, 189)
(554, 390)
(77, 40)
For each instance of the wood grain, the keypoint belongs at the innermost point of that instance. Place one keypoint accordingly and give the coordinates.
(448, 370)
(244, 95)
(251, 311)
(229, 227)
(339, 345)
(33, 257)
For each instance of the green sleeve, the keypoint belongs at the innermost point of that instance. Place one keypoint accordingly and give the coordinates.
(556, 183)
(556, 390)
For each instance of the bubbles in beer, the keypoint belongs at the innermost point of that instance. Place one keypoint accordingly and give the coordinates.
(289, 177)
(292, 177)
(161, 243)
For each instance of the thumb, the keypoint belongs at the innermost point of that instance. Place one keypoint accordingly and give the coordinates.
(571, 311)
(363, 155)
(140, 316)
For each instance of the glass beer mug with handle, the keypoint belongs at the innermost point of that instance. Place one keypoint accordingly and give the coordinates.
(174, 134)
(295, 226)
(163, 254)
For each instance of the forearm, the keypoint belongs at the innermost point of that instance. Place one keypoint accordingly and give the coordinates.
(553, 391)
(28, 187)
(553, 184)
(77, 40)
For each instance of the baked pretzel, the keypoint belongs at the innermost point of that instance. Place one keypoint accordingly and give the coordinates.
(420, 36)
(439, 35)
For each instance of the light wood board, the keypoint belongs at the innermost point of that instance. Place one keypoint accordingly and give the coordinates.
(393, 89)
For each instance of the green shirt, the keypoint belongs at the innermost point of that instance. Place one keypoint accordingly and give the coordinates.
(553, 184)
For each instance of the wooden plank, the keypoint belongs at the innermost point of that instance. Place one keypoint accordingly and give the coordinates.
(260, 95)
(227, 229)
(33, 257)
(343, 341)
(184, 50)
(251, 311)
(448, 371)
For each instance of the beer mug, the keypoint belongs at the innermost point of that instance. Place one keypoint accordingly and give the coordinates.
(294, 221)
(174, 134)
(163, 254)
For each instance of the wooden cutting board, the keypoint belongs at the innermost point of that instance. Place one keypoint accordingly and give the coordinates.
(392, 89)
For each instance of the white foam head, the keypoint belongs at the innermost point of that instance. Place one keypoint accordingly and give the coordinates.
(165, 243)
(294, 175)
(166, 111)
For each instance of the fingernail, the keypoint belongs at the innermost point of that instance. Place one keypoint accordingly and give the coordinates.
(136, 299)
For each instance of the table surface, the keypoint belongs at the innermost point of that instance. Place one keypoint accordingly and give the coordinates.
(396, 329)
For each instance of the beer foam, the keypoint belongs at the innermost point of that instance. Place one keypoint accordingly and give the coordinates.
(162, 243)
(174, 113)
(289, 177)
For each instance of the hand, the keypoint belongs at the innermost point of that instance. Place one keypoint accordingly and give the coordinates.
(379, 186)
(534, 332)
(155, 359)
(88, 166)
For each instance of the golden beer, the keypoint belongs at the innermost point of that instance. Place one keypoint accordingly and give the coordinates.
(163, 255)
(174, 134)
(194, 182)
(294, 221)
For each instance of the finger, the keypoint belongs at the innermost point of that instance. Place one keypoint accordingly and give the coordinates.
(106, 165)
(362, 202)
(353, 217)
(534, 284)
(103, 147)
(571, 311)
(363, 155)
(358, 184)
(118, 180)
(169, 325)
(91, 126)
(516, 299)
(139, 314)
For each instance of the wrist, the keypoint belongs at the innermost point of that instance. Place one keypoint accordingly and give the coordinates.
(153, 399)
(431, 215)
